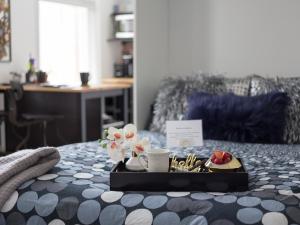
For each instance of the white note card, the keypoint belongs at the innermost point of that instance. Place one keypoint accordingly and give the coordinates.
(184, 133)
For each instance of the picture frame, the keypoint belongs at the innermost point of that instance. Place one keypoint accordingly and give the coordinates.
(5, 31)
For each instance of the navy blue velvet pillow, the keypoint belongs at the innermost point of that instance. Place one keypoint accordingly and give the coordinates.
(258, 119)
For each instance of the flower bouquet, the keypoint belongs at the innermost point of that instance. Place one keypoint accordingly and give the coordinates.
(119, 141)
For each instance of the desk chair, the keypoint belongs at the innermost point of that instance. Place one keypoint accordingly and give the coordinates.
(27, 120)
(2, 119)
(2, 116)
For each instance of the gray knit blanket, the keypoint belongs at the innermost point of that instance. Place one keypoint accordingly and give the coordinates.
(17, 168)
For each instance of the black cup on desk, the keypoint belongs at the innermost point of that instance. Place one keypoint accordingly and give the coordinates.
(84, 78)
(41, 77)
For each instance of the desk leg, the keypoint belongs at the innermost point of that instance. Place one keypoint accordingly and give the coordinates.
(102, 111)
(2, 124)
(83, 118)
(125, 106)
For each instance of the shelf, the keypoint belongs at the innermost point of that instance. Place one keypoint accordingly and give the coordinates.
(122, 13)
(116, 124)
(120, 39)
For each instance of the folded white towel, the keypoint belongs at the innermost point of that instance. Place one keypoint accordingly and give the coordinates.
(22, 166)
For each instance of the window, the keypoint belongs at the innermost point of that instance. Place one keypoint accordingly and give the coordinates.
(63, 41)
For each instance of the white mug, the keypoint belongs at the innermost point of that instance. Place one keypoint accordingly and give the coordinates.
(158, 160)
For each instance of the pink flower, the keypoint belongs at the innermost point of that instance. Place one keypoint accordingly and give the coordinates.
(141, 146)
(130, 133)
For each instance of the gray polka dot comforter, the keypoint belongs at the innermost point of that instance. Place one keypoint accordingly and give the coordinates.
(76, 191)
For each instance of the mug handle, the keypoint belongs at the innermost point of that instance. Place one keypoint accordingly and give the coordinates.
(141, 163)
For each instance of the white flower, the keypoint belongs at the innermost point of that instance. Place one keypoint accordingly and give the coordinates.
(141, 146)
(120, 140)
(116, 151)
(130, 133)
(115, 134)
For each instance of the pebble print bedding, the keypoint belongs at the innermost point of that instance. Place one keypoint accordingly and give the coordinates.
(77, 191)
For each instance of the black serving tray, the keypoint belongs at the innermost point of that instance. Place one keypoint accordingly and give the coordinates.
(122, 179)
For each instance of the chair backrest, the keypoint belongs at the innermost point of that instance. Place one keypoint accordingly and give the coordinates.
(17, 89)
(15, 94)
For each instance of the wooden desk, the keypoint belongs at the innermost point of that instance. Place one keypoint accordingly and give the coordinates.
(124, 80)
(72, 102)
(80, 89)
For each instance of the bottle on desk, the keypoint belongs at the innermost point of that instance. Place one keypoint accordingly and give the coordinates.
(31, 74)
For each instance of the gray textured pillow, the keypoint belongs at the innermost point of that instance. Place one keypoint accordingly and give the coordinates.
(261, 85)
(238, 86)
(292, 129)
(170, 103)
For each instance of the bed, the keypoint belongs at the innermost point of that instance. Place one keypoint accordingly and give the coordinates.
(77, 191)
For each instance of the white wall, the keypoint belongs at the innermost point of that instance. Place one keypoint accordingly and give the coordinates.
(188, 36)
(239, 37)
(151, 47)
(110, 51)
(24, 37)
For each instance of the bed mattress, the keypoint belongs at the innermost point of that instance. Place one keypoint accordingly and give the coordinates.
(77, 191)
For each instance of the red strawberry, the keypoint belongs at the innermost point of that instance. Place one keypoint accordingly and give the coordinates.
(226, 156)
(220, 157)
(218, 161)
(227, 160)
(218, 154)
(213, 157)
